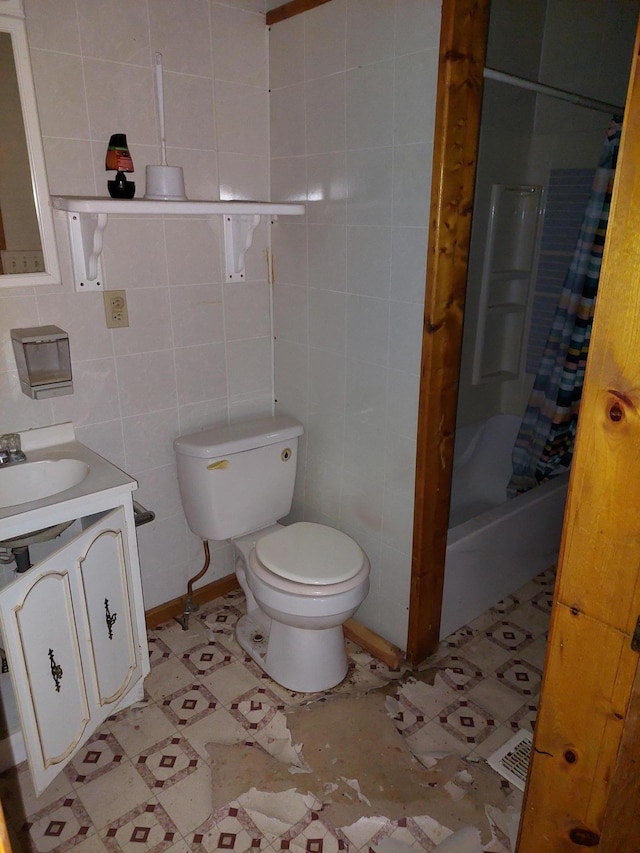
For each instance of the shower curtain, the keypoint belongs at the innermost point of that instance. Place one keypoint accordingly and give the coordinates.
(544, 445)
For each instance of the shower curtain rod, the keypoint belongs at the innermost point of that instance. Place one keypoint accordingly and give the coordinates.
(541, 88)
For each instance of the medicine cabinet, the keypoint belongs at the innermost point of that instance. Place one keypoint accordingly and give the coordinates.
(28, 253)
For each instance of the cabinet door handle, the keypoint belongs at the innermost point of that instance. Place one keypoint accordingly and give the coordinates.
(109, 619)
(56, 671)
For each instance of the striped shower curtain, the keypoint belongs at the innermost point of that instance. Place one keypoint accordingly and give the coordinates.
(544, 445)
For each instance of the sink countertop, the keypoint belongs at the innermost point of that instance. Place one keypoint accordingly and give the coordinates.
(58, 442)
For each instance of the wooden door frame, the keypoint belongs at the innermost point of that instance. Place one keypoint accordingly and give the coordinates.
(463, 37)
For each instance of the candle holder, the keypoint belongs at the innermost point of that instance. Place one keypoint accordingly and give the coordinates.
(119, 159)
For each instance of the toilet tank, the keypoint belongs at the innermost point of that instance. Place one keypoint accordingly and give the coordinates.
(238, 478)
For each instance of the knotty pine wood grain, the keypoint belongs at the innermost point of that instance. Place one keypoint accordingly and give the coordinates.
(462, 51)
(590, 667)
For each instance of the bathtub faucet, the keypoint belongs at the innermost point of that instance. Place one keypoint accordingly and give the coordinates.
(10, 449)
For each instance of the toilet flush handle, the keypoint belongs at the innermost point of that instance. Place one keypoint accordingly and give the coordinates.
(220, 464)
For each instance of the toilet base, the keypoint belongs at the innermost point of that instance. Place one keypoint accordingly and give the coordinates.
(252, 638)
(306, 661)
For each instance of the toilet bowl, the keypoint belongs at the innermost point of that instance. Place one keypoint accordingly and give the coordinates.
(301, 581)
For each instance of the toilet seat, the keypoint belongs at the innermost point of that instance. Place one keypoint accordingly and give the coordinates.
(309, 553)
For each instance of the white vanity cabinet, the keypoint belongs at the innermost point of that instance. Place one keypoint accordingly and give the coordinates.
(73, 625)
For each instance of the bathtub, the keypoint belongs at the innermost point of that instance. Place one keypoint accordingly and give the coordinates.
(495, 545)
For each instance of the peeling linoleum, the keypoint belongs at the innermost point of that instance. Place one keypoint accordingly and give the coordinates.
(219, 757)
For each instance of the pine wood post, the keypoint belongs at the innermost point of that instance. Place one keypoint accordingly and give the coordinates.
(462, 51)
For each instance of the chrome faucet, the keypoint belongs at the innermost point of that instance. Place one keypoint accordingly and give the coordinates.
(10, 449)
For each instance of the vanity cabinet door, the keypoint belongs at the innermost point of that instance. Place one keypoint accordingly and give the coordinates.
(71, 644)
(45, 661)
(107, 605)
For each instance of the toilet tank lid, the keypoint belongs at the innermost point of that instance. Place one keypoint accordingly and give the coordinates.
(239, 436)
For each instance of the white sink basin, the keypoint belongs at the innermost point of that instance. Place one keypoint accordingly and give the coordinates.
(22, 482)
(44, 535)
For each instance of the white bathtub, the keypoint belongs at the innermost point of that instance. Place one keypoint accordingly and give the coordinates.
(495, 544)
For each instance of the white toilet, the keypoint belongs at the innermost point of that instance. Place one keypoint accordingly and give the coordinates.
(301, 581)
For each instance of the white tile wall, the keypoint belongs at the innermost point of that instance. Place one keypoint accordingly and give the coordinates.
(351, 111)
(196, 351)
(352, 108)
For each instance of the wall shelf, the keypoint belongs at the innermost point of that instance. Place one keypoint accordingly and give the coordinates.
(87, 218)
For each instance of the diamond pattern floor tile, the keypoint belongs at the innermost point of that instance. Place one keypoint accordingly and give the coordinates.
(313, 835)
(459, 637)
(206, 658)
(458, 673)
(509, 636)
(467, 721)
(405, 832)
(59, 827)
(137, 729)
(146, 829)
(543, 601)
(167, 762)
(520, 676)
(256, 709)
(101, 753)
(525, 718)
(158, 651)
(496, 698)
(229, 828)
(409, 718)
(189, 705)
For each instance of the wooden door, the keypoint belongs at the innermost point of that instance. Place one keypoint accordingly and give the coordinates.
(579, 774)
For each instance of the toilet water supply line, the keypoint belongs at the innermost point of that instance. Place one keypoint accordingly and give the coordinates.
(189, 605)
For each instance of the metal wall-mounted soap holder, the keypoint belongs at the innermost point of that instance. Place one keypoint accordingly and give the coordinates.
(43, 360)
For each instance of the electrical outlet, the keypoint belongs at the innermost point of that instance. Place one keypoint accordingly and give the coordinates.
(115, 308)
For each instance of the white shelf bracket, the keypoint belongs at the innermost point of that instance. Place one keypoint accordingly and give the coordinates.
(87, 219)
(239, 229)
(85, 232)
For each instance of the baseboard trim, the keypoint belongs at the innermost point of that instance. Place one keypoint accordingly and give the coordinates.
(367, 639)
(171, 609)
(373, 643)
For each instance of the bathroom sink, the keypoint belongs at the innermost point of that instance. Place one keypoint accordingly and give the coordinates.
(22, 482)
(43, 535)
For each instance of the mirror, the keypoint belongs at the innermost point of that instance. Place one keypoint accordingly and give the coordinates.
(28, 253)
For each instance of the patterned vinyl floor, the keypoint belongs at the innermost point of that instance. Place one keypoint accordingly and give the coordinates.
(143, 785)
